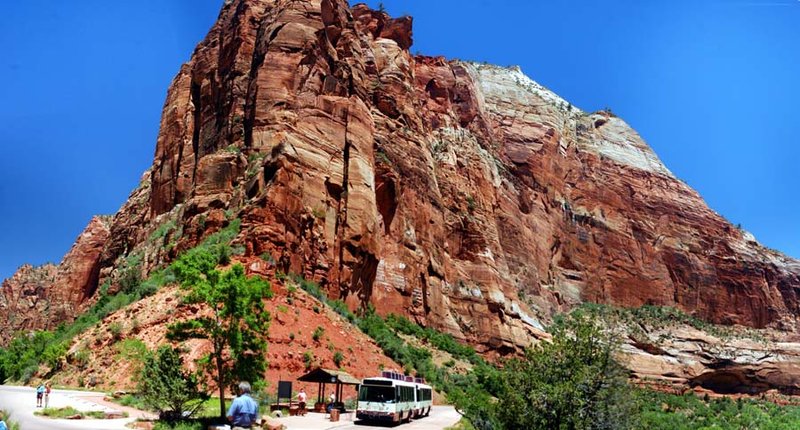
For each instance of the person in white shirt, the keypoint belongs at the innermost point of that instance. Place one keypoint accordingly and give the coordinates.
(301, 398)
(331, 401)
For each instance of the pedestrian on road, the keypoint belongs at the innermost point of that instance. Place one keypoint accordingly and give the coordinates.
(47, 390)
(39, 395)
(3, 425)
(301, 398)
(244, 410)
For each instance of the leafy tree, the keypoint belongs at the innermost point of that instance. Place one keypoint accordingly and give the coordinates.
(237, 324)
(21, 359)
(573, 382)
(166, 387)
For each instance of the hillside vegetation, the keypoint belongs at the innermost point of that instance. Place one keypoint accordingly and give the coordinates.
(27, 352)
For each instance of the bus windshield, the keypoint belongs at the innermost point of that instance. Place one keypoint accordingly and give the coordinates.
(376, 394)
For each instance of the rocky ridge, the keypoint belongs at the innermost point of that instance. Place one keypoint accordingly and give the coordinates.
(42, 297)
(466, 196)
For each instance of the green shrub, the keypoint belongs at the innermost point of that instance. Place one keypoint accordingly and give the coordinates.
(181, 425)
(166, 387)
(438, 340)
(69, 411)
(318, 213)
(338, 358)
(130, 273)
(116, 330)
(308, 359)
(314, 289)
(133, 401)
(134, 351)
(340, 308)
(59, 412)
(471, 203)
(318, 332)
(163, 230)
(233, 149)
(81, 358)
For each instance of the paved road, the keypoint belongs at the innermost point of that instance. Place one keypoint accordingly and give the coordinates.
(441, 417)
(20, 402)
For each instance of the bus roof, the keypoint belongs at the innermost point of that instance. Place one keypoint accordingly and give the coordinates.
(386, 382)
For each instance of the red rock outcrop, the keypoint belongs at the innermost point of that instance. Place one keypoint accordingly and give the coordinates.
(466, 196)
(23, 301)
(41, 297)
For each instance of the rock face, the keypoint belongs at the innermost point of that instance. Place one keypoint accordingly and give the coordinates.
(41, 297)
(24, 298)
(749, 362)
(466, 196)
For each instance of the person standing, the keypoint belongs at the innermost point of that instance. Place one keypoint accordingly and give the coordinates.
(244, 410)
(331, 402)
(39, 395)
(301, 399)
(47, 390)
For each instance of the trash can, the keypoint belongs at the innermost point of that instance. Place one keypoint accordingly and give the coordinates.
(334, 415)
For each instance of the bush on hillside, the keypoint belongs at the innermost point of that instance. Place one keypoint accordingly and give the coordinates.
(166, 387)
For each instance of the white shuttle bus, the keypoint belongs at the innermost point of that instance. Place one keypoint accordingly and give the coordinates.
(393, 397)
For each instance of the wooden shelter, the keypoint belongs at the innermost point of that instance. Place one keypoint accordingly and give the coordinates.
(323, 377)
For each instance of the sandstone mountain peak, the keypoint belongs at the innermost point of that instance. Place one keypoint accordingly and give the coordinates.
(466, 196)
(616, 139)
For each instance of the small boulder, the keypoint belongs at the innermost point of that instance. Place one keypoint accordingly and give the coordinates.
(113, 415)
(270, 423)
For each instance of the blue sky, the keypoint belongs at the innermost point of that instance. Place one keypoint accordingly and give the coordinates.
(711, 85)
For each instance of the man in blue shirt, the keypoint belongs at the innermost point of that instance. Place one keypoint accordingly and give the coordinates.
(244, 410)
(2, 423)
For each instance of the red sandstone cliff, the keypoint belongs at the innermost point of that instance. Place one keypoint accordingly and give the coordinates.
(42, 297)
(466, 196)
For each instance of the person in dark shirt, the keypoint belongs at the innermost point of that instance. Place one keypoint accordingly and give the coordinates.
(244, 410)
